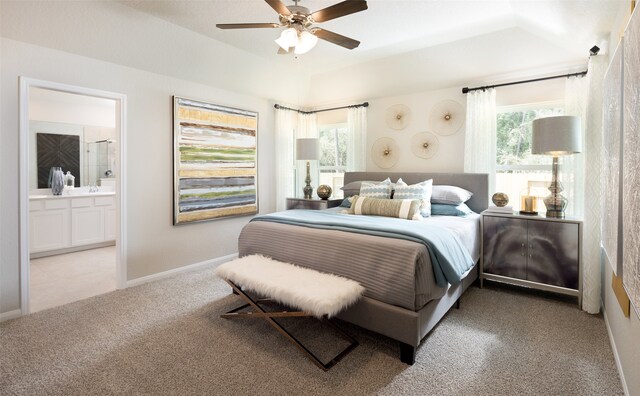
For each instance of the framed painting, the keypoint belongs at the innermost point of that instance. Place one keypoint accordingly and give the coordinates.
(611, 166)
(631, 162)
(215, 159)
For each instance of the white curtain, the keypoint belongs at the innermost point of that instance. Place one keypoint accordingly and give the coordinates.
(572, 167)
(480, 135)
(584, 99)
(286, 124)
(357, 124)
(307, 127)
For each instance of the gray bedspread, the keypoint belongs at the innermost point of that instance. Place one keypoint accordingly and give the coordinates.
(449, 259)
(395, 271)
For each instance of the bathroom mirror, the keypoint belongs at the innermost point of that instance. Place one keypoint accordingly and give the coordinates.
(74, 132)
(88, 152)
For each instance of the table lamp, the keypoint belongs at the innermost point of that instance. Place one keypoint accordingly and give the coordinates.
(556, 136)
(307, 149)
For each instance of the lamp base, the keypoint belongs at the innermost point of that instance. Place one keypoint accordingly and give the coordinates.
(555, 202)
(308, 190)
(556, 214)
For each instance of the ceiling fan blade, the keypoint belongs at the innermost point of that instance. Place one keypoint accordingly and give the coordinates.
(247, 25)
(336, 38)
(338, 10)
(279, 7)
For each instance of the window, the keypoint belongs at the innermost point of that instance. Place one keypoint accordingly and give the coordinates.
(333, 155)
(516, 168)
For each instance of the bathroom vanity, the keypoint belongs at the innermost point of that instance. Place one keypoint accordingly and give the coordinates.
(64, 223)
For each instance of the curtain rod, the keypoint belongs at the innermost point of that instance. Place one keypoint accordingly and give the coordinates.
(467, 89)
(277, 106)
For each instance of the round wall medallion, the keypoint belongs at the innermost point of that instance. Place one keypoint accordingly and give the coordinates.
(324, 191)
(425, 144)
(398, 116)
(385, 152)
(446, 117)
(500, 199)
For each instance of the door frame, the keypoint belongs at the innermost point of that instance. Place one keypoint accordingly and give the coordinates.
(26, 84)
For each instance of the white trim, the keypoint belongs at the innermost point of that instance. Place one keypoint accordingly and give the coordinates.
(530, 106)
(121, 202)
(615, 351)
(524, 167)
(212, 263)
(16, 313)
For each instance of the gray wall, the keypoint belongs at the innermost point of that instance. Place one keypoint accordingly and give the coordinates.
(154, 244)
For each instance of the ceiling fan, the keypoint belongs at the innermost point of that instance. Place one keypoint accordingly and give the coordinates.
(300, 35)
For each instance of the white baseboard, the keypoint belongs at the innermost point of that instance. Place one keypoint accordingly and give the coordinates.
(191, 267)
(16, 313)
(615, 352)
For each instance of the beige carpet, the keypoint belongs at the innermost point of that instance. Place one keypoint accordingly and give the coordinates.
(167, 338)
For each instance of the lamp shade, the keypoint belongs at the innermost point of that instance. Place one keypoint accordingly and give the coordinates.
(560, 135)
(306, 41)
(307, 149)
(288, 38)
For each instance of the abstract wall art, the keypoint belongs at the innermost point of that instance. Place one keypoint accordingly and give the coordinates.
(611, 146)
(631, 162)
(215, 161)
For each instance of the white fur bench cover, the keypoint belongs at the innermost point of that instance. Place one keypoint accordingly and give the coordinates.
(308, 290)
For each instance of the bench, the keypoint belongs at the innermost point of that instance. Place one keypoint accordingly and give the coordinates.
(311, 293)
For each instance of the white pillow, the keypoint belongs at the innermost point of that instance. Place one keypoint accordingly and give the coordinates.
(421, 191)
(450, 195)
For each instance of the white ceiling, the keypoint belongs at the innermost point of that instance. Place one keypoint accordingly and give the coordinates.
(391, 27)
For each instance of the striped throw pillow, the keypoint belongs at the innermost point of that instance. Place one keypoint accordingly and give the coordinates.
(377, 190)
(403, 209)
(420, 191)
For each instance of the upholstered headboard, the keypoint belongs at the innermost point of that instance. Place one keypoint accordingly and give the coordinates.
(477, 183)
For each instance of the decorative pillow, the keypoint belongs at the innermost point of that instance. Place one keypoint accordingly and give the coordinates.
(450, 210)
(450, 195)
(421, 191)
(353, 188)
(401, 208)
(346, 203)
(380, 190)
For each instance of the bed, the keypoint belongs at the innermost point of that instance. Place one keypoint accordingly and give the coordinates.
(405, 298)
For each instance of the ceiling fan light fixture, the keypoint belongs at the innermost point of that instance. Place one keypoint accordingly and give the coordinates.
(306, 41)
(288, 38)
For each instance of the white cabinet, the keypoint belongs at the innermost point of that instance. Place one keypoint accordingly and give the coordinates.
(49, 224)
(87, 220)
(60, 223)
(110, 223)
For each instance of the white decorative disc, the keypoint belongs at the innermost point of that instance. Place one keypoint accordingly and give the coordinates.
(446, 117)
(398, 116)
(425, 144)
(385, 152)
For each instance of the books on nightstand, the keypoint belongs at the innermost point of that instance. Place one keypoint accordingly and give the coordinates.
(502, 210)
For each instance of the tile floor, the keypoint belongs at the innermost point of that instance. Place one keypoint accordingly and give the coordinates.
(59, 280)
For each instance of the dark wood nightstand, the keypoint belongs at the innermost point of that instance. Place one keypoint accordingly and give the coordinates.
(533, 251)
(313, 204)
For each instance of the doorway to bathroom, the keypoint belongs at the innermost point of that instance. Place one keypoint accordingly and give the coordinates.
(72, 197)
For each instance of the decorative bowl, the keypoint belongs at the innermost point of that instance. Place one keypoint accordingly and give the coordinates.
(500, 199)
(324, 191)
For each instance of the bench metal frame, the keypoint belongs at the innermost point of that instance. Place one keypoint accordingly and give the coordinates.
(268, 316)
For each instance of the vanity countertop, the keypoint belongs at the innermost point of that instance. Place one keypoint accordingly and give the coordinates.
(76, 195)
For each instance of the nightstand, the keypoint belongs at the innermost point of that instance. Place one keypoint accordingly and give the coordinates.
(533, 251)
(313, 204)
